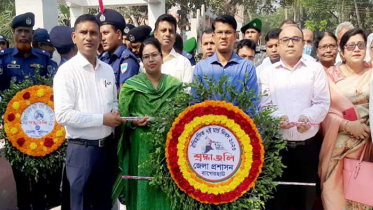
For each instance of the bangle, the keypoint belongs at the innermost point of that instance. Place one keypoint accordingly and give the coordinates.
(344, 126)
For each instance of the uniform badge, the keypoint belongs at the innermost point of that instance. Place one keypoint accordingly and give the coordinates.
(1, 37)
(28, 21)
(131, 38)
(126, 30)
(102, 18)
(1, 70)
(14, 62)
(254, 24)
(123, 67)
(49, 68)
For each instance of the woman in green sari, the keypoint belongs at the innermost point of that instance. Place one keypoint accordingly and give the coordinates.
(143, 95)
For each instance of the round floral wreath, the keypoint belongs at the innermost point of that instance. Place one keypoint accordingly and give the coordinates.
(242, 126)
(12, 122)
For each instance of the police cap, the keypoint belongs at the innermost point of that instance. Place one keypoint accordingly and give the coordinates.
(139, 34)
(61, 39)
(111, 17)
(41, 35)
(24, 20)
(255, 23)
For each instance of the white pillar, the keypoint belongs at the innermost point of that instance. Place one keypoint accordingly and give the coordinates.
(155, 9)
(75, 12)
(46, 12)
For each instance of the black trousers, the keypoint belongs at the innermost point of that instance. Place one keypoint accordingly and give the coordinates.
(40, 195)
(91, 171)
(302, 163)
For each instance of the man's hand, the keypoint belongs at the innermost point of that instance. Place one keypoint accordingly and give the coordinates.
(285, 125)
(140, 123)
(303, 127)
(112, 120)
(115, 112)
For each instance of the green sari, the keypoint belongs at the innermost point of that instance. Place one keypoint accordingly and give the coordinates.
(138, 97)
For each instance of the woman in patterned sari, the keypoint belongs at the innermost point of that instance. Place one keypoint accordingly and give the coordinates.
(344, 136)
(143, 95)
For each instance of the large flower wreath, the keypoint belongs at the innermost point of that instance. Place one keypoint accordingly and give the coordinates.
(34, 156)
(250, 187)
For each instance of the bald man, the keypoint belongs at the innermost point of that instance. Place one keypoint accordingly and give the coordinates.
(299, 89)
(308, 41)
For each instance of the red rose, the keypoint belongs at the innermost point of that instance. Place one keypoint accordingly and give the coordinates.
(51, 98)
(26, 95)
(20, 141)
(48, 142)
(11, 117)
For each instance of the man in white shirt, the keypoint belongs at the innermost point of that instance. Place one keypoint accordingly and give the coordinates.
(86, 103)
(174, 64)
(271, 39)
(299, 90)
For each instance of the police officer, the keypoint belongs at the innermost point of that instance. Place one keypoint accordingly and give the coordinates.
(42, 41)
(252, 31)
(126, 30)
(16, 63)
(123, 61)
(190, 46)
(4, 44)
(61, 39)
(136, 36)
(22, 60)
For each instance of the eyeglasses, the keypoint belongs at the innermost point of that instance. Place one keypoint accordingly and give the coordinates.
(325, 47)
(227, 33)
(153, 56)
(295, 39)
(352, 46)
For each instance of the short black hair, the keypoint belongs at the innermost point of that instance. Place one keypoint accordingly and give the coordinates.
(288, 22)
(150, 41)
(86, 17)
(349, 34)
(245, 42)
(207, 31)
(229, 19)
(166, 17)
(179, 45)
(321, 36)
(273, 34)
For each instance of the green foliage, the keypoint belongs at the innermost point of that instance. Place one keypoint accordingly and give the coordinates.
(269, 128)
(8, 11)
(30, 166)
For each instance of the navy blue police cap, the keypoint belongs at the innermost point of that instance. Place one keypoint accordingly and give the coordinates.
(41, 35)
(24, 20)
(111, 17)
(3, 38)
(139, 34)
(128, 28)
(61, 38)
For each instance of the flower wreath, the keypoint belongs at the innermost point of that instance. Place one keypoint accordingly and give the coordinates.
(232, 119)
(38, 147)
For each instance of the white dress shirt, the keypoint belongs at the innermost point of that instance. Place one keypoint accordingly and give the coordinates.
(82, 95)
(178, 66)
(303, 91)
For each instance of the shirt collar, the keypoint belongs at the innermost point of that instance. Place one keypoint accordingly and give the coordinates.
(214, 58)
(302, 61)
(84, 62)
(16, 51)
(173, 53)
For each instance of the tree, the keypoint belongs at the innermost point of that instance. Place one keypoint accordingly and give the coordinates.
(6, 17)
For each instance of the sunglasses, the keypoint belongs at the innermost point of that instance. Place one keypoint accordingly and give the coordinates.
(352, 46)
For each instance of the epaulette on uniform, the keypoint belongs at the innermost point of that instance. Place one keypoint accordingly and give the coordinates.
(42, 52)
(6, 51)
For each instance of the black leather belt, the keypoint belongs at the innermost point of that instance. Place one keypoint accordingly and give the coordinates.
(98, 143)
(294, 144)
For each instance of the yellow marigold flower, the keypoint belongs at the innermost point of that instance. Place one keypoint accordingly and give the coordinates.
(41, 143)
(40, 92)
(13, 130)
(28, 103)
(59, 133)
(15, 105)
(55, 140)
(44, 149)
(33, 146)
(18, 115)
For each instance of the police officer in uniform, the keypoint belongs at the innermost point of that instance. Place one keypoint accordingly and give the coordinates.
(123, 61)
(126, 30)
(189, 48)
(61, 39)
(22, 60)
(136, 36)
(252, 31)
(15, 64)
(42, 41)
(4, 44)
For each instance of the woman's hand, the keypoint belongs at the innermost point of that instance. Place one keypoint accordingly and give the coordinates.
(358, 129)
(140, 123)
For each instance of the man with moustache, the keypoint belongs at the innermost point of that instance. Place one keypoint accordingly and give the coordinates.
(225, 62)
(123, 61)
(174, 64)
(15, 64)
(207, 43)
(86, 104)
(22, 60)
(298, 88)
